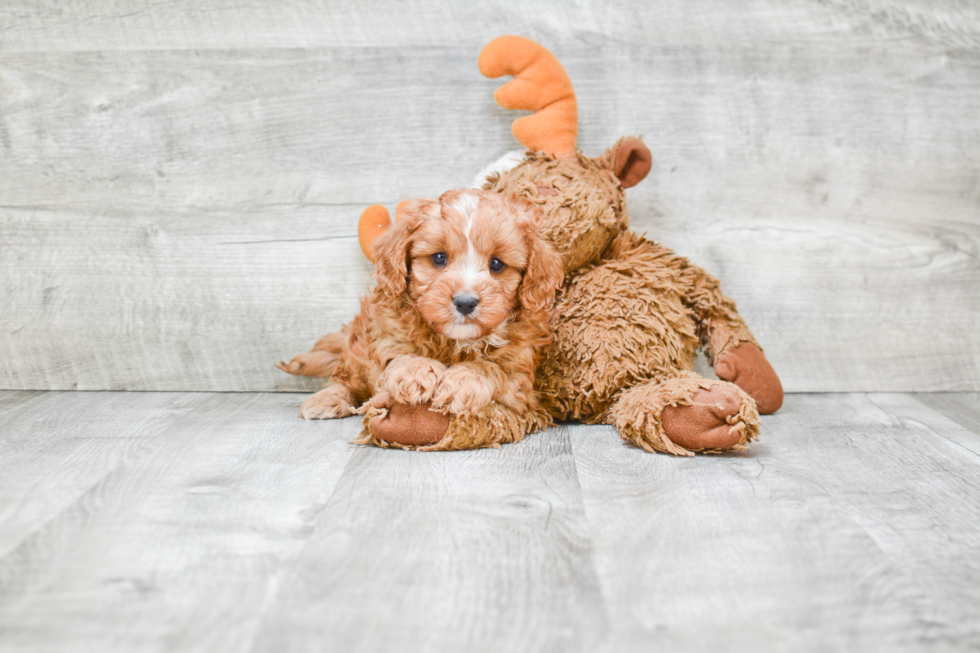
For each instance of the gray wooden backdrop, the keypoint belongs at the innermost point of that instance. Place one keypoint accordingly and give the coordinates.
(180, 182)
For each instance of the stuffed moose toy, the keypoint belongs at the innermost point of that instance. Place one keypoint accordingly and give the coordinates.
(628, 318)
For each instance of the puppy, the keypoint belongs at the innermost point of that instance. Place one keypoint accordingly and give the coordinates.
(461, 307)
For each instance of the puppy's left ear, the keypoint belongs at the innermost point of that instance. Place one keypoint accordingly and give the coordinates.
(392, 249)
(543, 272)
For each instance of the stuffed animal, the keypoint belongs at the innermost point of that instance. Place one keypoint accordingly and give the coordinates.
(630, 314)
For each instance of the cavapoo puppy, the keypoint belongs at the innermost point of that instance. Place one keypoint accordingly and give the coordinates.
(461, 306)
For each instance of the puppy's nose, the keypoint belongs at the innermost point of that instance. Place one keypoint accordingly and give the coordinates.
(465, 304)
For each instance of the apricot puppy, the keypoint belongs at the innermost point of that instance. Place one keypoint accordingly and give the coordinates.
(457, 318)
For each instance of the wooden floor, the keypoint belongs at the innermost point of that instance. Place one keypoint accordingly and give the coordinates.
(223, 522)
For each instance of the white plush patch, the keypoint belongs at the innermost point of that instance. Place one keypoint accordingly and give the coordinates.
(507, 162)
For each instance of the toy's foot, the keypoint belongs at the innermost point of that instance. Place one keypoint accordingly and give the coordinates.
(704, 423)
(746, 366)
(412, 425)
(332, 402)
(411, 379)
(686, 413)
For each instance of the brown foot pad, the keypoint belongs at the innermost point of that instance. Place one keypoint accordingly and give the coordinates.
(746, 366)
(407, 424)
(704, 423)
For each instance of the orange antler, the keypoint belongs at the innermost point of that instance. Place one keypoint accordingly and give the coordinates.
(541, 85)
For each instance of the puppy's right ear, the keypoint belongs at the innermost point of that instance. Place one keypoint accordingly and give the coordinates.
(543, 273)
(392, 249)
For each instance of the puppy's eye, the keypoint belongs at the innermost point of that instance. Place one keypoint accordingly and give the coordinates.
(496, 264)
(439, 259)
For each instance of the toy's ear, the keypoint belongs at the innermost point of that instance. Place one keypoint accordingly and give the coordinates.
(633, 162)
(392, 248)
(543, 272)
(374, 221)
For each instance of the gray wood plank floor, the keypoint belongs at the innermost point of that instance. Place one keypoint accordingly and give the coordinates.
(223, 522)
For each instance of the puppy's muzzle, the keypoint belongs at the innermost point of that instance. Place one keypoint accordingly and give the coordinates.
(465, 304)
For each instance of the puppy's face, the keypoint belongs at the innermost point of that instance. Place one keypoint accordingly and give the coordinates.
(472, 260)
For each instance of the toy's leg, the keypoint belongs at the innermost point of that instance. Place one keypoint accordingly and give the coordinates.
(319, 361)
(730, 346)
(333, 401)
(686, 413)
(406, 426)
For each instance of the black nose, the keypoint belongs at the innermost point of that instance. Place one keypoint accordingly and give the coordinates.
(465, 303)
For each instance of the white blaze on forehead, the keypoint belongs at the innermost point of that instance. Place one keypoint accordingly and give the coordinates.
(472, 265)
(465, 204)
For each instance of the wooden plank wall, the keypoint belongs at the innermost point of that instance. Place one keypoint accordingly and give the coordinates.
(180, 182)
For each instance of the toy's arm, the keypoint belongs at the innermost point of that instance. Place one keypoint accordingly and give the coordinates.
(390, 424)
(731, 348)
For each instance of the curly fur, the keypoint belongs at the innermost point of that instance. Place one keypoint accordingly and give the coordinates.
(409, 340)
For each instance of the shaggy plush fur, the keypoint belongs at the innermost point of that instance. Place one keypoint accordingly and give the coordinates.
(630, 315)
(582, 199)
(638, 314)
(417, 343)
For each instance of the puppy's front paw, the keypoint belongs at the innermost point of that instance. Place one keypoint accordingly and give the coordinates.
(411, 379)
(462, 391)
(332, 402)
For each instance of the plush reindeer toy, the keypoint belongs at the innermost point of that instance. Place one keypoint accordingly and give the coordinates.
(630, 314)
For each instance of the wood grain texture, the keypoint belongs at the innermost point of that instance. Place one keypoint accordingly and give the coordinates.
(961, 407)
(852, 525)
(56, 447)
(223, 522)
(49, 25)
(182, 544)
(180, 182)
(468, 551)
